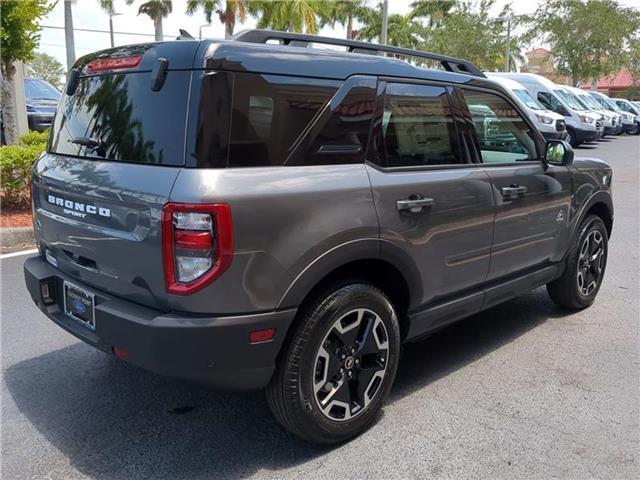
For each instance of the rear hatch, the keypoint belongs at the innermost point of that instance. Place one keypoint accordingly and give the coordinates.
(115, 150)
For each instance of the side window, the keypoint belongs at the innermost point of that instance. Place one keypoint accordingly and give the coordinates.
(503, 135)
(549, 101)
(417, 127)
(341, 132)
(269, 113)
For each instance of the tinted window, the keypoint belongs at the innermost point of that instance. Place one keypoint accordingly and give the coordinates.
(503, 135)
(341, 133)
(269, 114)
(549, 101)
(119, 117)
(417, 127)
(570, 100)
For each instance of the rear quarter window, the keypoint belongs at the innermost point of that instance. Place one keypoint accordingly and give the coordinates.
(125, 119)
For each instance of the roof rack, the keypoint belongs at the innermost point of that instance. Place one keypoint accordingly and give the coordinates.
(450, 64)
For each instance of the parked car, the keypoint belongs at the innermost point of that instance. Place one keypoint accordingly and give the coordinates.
(42, 100)
(582, 126)
(612, 121)
(628, 120)
(253, 214)
(550, 124)
(631, 108)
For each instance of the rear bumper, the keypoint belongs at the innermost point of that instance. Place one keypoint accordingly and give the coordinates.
(211, 350)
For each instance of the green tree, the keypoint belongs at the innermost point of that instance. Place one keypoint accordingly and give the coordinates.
(46, 67)
(156, 10)
(19, 36)
(233, 11)
(343, 12)
(289, 15)
(469, 31)
(433, 11)
(588, 38)
(402, 31)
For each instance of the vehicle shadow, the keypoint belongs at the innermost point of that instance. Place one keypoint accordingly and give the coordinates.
(113, 420)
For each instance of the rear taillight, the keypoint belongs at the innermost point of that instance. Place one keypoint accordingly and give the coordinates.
(197, 245)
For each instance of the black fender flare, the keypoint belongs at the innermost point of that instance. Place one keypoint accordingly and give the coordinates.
(601, 196)
(348, 252)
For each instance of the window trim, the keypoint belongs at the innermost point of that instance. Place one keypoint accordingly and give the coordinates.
(383, 81)
(538, 136)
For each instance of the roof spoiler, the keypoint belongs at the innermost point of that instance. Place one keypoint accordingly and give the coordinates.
(450, 64)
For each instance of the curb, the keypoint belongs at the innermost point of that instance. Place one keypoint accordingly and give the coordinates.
(18, 236)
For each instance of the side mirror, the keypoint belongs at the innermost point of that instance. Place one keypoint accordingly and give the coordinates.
(562, 110)
(559, 153)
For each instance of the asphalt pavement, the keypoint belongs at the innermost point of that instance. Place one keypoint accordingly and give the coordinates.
(524, 390)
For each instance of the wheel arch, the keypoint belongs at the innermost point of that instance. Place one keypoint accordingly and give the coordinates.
(599, 204)
(386, 266)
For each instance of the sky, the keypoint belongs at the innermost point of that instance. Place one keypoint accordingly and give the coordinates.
(88, 14)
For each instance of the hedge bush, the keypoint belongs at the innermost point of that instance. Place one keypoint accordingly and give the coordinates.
(15, 168)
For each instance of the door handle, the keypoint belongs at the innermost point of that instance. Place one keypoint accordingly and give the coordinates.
(414, 204)
(514, 191)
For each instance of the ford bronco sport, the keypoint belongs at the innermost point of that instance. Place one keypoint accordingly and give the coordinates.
(253, 214)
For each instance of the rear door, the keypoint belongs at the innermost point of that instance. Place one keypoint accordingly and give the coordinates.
(531, 199)
(115, 150)
(431, 203)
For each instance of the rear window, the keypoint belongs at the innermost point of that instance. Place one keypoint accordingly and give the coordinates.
(119, 118)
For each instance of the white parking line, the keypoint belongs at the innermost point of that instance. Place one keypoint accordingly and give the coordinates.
(17, 254)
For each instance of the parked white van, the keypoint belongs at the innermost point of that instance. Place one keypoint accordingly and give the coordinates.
(632, 108)
(628, 120)
(551, 124)
(611, 121)
(582, 126)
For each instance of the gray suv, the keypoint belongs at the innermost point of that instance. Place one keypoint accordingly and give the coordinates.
(256, 214)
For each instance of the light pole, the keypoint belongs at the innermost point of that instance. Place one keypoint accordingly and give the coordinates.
(507, 60)
(200, 30)
(111, 15)
(385, 22)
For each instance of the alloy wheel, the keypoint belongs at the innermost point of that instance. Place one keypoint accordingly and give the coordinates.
(350, 364)
(590, 263)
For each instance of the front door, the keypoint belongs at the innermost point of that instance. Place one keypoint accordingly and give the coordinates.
(531, 199)
(431, 203)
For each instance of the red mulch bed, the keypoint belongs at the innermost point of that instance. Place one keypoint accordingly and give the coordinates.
(15, 217)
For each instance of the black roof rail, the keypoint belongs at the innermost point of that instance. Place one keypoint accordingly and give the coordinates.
(450, 64)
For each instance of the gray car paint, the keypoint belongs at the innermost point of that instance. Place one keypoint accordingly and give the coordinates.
(294, 225)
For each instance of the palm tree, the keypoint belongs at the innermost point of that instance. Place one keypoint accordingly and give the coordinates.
(289, 15)
(433, 10)
(403, 30)
(233, 10)
(156, 10)
(343, 12)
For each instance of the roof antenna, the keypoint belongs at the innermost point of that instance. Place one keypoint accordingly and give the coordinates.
(184, 35)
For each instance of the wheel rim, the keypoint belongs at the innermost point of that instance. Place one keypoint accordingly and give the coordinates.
(351, 364)
(568, 138)
(590, 263)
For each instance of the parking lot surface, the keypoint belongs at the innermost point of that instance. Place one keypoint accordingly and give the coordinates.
(524, 390)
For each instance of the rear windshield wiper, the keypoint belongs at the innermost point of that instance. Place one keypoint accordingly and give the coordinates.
(95, 144)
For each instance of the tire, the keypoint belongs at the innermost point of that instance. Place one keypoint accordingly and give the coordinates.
(317, 358)
(571, 138)
(580, 282)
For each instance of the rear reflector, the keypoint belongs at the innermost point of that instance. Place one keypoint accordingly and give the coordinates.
(120, 353)
(261, 336)
(191, 239)
(103, 64)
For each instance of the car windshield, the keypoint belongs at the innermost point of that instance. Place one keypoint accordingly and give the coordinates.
(570, 100)
(528, 100)
(35, 89)
(590, 102)
(603, 101)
